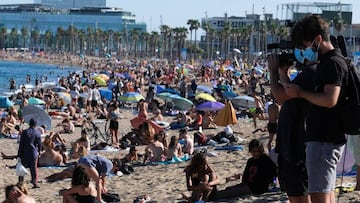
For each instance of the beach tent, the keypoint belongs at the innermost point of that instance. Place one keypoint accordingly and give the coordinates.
(5, 102)
(40, 115)
(227, 116)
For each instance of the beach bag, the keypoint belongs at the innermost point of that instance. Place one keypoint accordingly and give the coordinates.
(349, 109)
(20, 169)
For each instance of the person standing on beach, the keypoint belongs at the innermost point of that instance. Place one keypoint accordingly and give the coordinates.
(29, 151)
(290, 144)
(324, 137)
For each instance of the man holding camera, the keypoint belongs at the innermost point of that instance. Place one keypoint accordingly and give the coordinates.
(323, 138)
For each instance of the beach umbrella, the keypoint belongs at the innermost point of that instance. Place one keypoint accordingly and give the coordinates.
(183, 71)
(99, 81)
(65, 96)
(210, 106)
(172, 91)
(229, 95)
(35, 101)
(103, 76)
(244, 101)
(5, 102)
(205, 96)
(182, 103)
(106, 93)
(59, 89)
(203, 88)
(159, 88)
(120, 75)
(227, 116)
(237, 51)
(131, 97)
(40, 115)
(166, 96)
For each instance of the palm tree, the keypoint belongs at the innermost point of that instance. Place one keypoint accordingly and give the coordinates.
(3, 32)
(34, 37)
(248, 32)
(14, 36)
(193, 25)
(165, 31)
(90, 39)
(154, 43)
(145, 38)
(60, 35)
(117, 39)
(180, 36)
(24, 35)
(47, 37)
(134, 35)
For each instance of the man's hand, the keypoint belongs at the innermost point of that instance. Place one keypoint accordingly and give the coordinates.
(273, 62)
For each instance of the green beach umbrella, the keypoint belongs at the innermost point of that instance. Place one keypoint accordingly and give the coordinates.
(35, 101)
(131, 97)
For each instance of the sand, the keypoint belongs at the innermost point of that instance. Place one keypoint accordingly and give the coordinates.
(163, 183)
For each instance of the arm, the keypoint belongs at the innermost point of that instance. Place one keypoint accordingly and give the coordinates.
(70, 191)
(21, 145)
(92, 172)
(277, 89)
(328, 98)
(214, 179)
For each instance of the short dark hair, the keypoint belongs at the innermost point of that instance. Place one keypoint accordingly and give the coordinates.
(256, 144)
(308, 28)
(32, 123)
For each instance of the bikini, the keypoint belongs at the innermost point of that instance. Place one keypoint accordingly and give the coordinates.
(85, 198)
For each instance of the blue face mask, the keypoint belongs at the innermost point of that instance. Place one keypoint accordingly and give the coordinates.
(311, 55)
(299, 55)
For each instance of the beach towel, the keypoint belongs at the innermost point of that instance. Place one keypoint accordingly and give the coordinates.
(230, 148)
(137, 121)
(106, 149)
(174, 160)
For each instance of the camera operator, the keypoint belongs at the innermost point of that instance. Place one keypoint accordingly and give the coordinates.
(291, 130)
(324, 139)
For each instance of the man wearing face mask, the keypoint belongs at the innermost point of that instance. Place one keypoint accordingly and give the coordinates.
(324, 138)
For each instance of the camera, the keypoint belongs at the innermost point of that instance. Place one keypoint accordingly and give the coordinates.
(286, 55)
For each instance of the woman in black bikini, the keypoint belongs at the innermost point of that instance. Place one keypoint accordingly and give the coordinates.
(82, 190)
(201, 179)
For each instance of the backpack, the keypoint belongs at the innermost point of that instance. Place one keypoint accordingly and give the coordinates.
(350, 106)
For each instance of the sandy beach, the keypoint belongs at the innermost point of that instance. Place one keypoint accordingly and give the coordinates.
(163, 183)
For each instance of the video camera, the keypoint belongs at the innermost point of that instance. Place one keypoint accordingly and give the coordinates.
(286, 55)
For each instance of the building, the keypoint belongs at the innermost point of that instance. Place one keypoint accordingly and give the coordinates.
(335, 13)
(68, 4)
(43, 18)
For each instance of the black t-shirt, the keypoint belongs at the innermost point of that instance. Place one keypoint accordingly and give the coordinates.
(259, 173)
(322, 124)
(291, 125)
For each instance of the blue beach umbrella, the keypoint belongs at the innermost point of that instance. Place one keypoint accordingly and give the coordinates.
(229, 95)
(106, 93)
(131, 97)
(203, 88)
(166, 96)
(5, 102)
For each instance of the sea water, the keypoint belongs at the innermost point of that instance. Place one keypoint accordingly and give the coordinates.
(19, 71)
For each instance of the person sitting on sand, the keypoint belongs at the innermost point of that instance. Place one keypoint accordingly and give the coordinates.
(68, 126)
(259, 173)
(82, 189)
(157, 116)
(155, 151)
(208, 121)
(50, 157)
(97, 167)
(83, 141)
(174, 149)
(188, 147)
(201, 179)
(14, 194)
(5, 129)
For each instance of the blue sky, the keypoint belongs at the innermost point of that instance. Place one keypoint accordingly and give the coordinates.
(175, 13)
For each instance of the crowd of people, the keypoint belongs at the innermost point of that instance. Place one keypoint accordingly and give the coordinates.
(302, 123)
